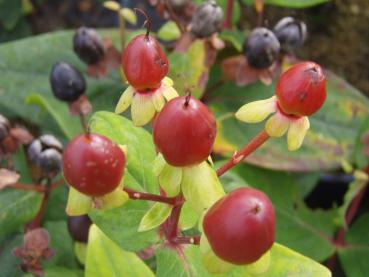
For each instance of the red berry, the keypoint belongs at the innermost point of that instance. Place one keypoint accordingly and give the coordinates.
(184, 131)
(93, 164)
(144, 63)
(301, 90)
(240, 226)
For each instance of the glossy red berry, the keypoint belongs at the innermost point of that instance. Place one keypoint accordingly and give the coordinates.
(144, 63)
(301, 90)
(93, 164)
(184, 131)
(240, 226)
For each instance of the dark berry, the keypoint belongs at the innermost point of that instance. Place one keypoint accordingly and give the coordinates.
(261, 48)
(93, 164)
(4, 127)
(144, 63)
(301, 90)
(78, 227)
(46, 153)
(88, 45)
(184, 131)
(240, 227)
(291, 33)
(67, 83)
(50, 160)
(207, 20)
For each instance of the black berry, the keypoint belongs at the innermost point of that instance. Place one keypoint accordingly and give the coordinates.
(88, 45)
(46, 153)
(67, 83)
(207, 19)
(291, 33)
(78, 227)
(261, 48)
(4, 127)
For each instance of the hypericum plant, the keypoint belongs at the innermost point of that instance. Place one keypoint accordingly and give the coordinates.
(233, 232)
(145, 67)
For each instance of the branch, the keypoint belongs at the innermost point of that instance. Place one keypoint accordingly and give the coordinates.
(239, 156)
(135, 195)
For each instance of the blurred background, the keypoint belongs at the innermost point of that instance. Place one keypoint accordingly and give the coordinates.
(338, 30)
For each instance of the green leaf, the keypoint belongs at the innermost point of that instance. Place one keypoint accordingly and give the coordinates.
(62, 243)
(291, 4)
(140, 148)
(283, 262)
(355, 187)
(169, 31)
(188, 217)
(10, 12)
(188, 69)
(360, 159)
(286, 262)
(8, 262)
(105, 258)
(25, 68)
(121, 225)
(128, 15)
(331, 136)
(17, 208)
(56, 110)
(294, 220)
(354, 255)
(201, 187)
(236, 38)
(157, 214)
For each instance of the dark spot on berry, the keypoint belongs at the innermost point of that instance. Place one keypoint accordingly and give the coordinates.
(303, 96)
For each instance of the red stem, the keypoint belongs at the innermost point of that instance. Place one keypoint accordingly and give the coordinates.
(239, 156)
(229, 11)
(135, 195)
(171, 230)
(36, 222)
(187, 240)
(36, 188)
(174, 16)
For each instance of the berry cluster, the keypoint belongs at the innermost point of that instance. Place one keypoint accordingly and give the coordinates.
(46, 153)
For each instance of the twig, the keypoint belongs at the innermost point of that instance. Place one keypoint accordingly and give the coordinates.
(239, 156)
(135, 195)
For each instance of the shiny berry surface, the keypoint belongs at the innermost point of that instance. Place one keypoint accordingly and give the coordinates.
(184, 131)
(240, 227)
(78, 227)
(144, 63)
(261, 48)
(301, 90)
(88, 45)
(67, 83)
(93, 164)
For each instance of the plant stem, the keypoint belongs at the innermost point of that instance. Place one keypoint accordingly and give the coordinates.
(122, 31)
(259, 7)
(36, 222)
(37, 188)
(229, 12)
(135, 195)
(173, 16)
(83, 120)
(239, 156)
(171, 231)
(187, 240)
